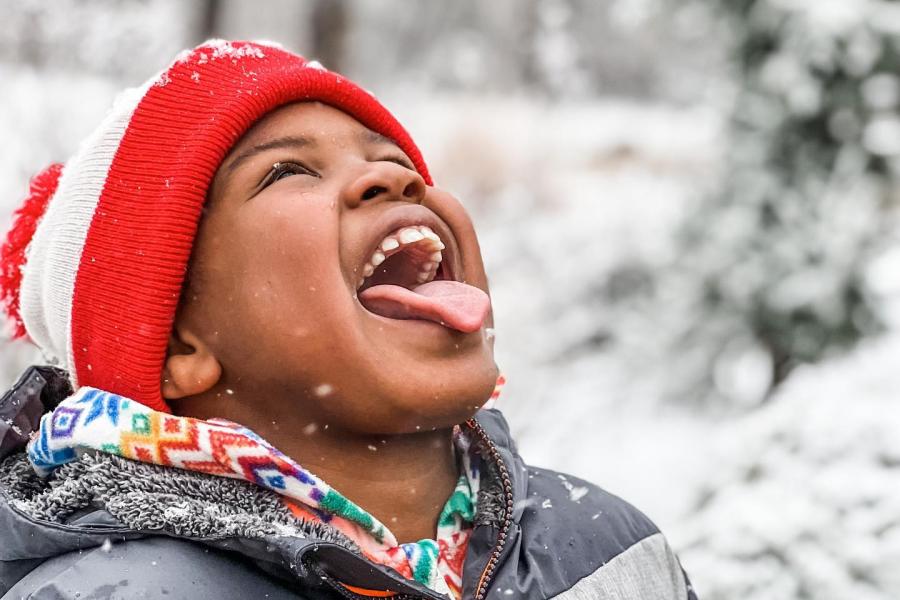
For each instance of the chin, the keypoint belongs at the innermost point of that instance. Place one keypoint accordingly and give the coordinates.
(442, 402)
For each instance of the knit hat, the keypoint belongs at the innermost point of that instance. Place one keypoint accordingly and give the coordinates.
(93, 266)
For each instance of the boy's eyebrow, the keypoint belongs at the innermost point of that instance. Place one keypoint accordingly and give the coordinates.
(283, 142)
(373, 137)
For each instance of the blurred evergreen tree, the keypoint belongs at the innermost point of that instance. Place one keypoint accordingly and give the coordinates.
(778, 257)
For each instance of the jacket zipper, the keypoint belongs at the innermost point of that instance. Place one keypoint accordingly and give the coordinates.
(490, 568)
(487, 574)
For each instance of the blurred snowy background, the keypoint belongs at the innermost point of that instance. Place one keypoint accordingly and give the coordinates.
(689, 211)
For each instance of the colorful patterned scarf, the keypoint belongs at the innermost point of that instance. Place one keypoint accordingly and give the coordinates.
(94, 420)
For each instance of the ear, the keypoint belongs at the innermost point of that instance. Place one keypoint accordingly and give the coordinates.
(190, 367)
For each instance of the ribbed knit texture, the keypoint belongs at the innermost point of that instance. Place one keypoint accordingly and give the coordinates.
(55, 253)
(103, 276)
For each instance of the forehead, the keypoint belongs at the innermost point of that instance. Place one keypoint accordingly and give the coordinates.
(314, 118)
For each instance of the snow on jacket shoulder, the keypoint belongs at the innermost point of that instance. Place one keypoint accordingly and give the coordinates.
(106, 527)
(572, 540)
(599, 547)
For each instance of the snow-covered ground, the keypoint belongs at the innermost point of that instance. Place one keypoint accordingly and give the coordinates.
(792, 501)
(800, 499)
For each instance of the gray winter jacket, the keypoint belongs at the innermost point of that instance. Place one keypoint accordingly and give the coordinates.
(106, 527)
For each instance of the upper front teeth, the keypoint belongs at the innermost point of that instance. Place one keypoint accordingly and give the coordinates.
(410, 235)
(419, 240)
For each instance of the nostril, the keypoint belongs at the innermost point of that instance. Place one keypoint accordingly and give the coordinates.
(373, 191)
(411, 190)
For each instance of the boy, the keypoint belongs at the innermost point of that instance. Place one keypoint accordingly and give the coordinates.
(324, 321)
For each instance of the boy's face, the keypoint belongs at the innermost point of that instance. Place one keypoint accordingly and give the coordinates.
(276, 268)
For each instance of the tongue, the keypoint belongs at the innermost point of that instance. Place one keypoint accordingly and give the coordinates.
(452, 304)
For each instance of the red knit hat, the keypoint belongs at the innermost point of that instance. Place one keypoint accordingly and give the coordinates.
(93, 266)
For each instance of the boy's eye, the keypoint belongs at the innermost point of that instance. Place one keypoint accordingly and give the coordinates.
(281, 170)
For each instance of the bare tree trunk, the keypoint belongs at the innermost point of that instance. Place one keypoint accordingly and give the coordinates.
(209, 18)
(329, 21)
(527, 59)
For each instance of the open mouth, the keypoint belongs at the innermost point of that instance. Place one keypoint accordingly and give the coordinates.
(408, 256)
(406, 277)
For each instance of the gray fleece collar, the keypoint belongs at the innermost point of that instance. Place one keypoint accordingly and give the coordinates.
(150, 498)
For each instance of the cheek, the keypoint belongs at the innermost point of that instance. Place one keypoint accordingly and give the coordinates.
(283, 280)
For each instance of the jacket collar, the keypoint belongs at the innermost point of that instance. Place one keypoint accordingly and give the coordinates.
(41, 388)
(38, 390)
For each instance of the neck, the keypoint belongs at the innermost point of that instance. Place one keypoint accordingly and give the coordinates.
(402, 480)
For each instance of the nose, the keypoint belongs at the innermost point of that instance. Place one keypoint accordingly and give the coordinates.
(385, 181)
